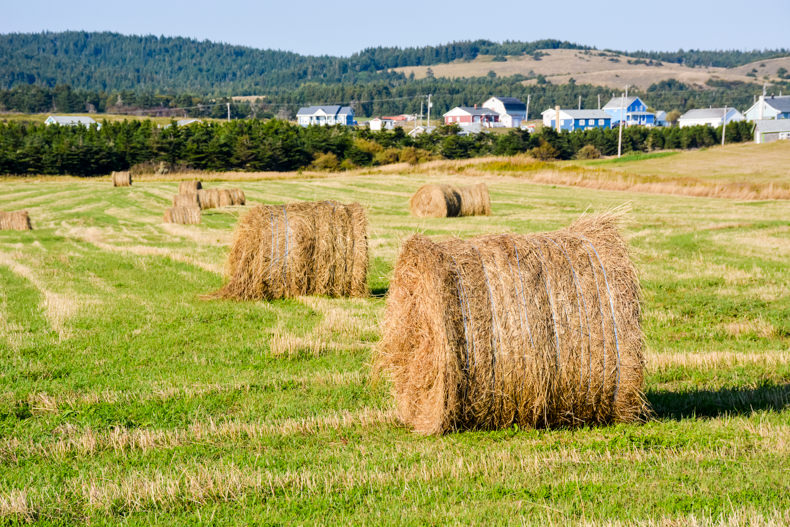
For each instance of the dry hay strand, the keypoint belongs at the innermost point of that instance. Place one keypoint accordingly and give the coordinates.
(306, 248)
(539, 330)
(186, 200)
(220, 197)
(183, 215)
(122, 179)
(15, 221)
(443, 201)
(189, 187)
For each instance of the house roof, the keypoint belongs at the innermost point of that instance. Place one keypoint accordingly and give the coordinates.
(706, 113)
(780, 103)
(471, 110)
(332, 109)
(582, 114)
(772, 125)
(617, 103)
(187, 122)
(67, 120)
(512, 104)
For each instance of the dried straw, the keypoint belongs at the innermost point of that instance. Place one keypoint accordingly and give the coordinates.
(183, 215)
(122, 179)
(15, 221)
(186, 200)
(441, 201)
(539, 330)
(220, 197)
(307, 248)
(189, 187)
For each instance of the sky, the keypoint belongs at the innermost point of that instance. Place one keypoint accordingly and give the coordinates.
(342, 27)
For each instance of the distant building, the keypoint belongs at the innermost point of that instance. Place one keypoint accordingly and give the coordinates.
(634, 110)
(773, 107)
(661, 118)
(709, 116)
(325, 115)
(577, 119)
(401, 117)
(466, 115)
(379, 124)
(419, 130)
(71, 120)
(770, 130)
(511, 110)
(187, 122)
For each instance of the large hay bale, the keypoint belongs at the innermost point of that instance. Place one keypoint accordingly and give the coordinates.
(307, 248)
(15, 221)
(183, 215)
(442, 201)
(122, 179)
(213, 198)
(189, 187)
(186, 200)
(538, 330)
(237, 196)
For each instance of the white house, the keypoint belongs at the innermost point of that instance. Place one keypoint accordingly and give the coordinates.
(325, 115)
(466, 115)
(70, 120)
(419, 130)
(577, 119)
(773, 107)
(378, 124)
(709, 116)
(187, 122)
(511, 110)
(770, 130)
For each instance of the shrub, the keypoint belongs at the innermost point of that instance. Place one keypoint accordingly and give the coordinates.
(588, 152)
(325, 161)
(544, 152)
(385, 157)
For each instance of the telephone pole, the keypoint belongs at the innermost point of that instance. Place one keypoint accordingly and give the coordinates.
(580, 102)
(228, 112)
(724, 126)
(622, 118)
(429, 111)
(526, 117)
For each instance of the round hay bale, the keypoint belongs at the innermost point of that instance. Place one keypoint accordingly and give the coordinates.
(307, 248)
(443, 201)
(183, 215)
(538, 330)
(224, 197)
(122, 179)
(237, 196)
(186, 200)
(189, 187)
(15, 221)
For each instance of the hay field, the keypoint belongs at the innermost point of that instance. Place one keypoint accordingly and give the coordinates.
(599, 68)
(127, 398)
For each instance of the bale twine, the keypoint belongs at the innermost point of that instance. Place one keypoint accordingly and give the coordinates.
(220, 197)
(183, 215)
(307, 248)
(15, 221)
(441, 201)
(189, 187)
(186, 200)
(538, 330)
(122, 179)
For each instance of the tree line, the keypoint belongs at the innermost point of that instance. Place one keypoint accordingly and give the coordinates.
(276, 145)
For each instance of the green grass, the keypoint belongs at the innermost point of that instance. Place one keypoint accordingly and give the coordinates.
(124, 397)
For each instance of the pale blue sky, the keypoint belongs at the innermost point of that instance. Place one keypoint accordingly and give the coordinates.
(342, 27)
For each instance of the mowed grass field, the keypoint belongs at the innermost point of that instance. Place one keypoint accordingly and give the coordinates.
(126, 398)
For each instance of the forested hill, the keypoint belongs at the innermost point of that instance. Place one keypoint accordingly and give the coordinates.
(112, 62)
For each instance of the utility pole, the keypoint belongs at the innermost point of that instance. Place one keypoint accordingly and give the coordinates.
(429, 111)
(599, 101)
(526, 117)
(724, 126)
(228, 112)
(580, 102)
(622, 118)
(557, 117)
(421, 103)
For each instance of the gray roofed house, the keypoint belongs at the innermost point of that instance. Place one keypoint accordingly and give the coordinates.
(769, 107)
(510, 109)
(615, 103)
(576, 119)
(770, 130)
(325, 115)
(71, 120)
(709, 116)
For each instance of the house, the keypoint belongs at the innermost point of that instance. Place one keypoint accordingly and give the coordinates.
(709, 116)
(770, 130)
(634, 110)
(577, 119)
(419, 130)
(187, 122)
(511, 110)
(401, 117)
(661, 118)
(773, 107)
(71, 120)
(382, 123)
(325, 115)
(466, 115)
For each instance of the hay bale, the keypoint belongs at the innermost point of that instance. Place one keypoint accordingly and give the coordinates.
(189, 187)
(183, 215)
(213, 198)
(539, 330)
(443, 201)
(15, 221)
(307, 248)
(122, 179)
(186, 200)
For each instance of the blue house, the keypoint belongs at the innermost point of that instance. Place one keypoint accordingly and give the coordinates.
(577, 119)
(325, 115)
(633, 108)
